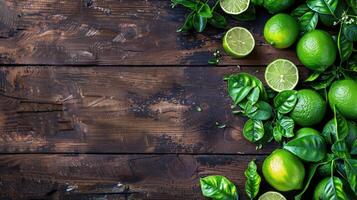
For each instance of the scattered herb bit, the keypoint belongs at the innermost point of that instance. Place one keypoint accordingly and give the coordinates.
(216, 58)
(198, 109)
(220, 126)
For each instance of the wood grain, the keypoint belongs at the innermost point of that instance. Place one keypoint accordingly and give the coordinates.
(116, 176)
(112, 32)
(120, 110)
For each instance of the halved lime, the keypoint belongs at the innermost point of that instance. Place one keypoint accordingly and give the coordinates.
(281, 75)
(272, 196)
(238, 42)
(234, 7)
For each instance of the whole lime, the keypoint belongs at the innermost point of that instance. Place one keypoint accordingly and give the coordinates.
(310, 108)
(283, 170)
(320, 188)
(343, 96)
(281, 30)
(316, 50)
(305, 132)
(275, 6)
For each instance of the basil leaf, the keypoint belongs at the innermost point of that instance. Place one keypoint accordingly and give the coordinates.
(300, 11)
(352, 164)
(285, 101)
(204, 10)
(268, 135)
(310, 148)
(344, 46)
(340, 149)
(354, 148)
(254, 95)
(187, 25)
(278, 132)
(353, 5)
(325, 82)
(329, 132)
(308, 22)
(341, 124)
(313, 76)
(263, 111)
(287, 125)
(247, 15)
(218, 187)
(218, 21)
(334, 190)
(350, 176)
(252, 183)
(350, 32)
(253, 130)
(187, 3)
(199, 22)
(322, 6)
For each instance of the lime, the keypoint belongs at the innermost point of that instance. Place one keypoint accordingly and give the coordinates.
(234, 7)
(306, 131)
(275, 6)
(272, 196)
(310, 108)
(343, 95)
(283, 170)
(238, 42)
(316, 50)
(320, 188)
(281, 75)
(281, 31)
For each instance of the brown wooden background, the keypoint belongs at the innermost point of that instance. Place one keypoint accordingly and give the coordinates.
(98, 100)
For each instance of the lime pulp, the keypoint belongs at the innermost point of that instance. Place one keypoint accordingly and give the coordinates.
(281, 75)
(234, 7)
(238, 42)
(272, 196)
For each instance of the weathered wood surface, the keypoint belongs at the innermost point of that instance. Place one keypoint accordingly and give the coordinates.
(112, 32)
(115, 176)
(120, 110)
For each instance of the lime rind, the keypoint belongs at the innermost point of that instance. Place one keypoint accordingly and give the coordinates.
(238, 42)
(281, 75)
(272, 196)
(234, 7)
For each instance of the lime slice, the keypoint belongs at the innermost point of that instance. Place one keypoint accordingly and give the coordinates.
(281, 75)
(272, 196)
(234, 7)
(238, 42)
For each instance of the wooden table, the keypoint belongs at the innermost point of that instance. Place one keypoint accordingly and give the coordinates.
(99, 100)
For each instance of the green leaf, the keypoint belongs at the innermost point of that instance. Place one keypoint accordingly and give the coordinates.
(354, 148)
(278, 132)
(199, 22)
(252, 183)
(322, 6)
(247, 15)
(188, 24)
(334, 190)
(258, 2)
(341, 124)
(254, 95)
(313, 76)
(353, 5)
(218, 187)
(350, 176)
(204, 10)
(352, 164)
(310, 148)
(340, 149)
(268, 135)
(218, 21)
(345, 46)
(300, 11)
(285, 101)
(262, 111)
(287, 124)
(329, 132)
(253, 130)
(324, 81)
(308, 22)
(187, 3)
(350, 32)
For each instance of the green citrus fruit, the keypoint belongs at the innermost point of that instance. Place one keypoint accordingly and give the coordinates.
(234, 7)
(271, 195)
(316, 50)
(343, 95)
(306, 131)
(281, 31)
(238, 42)
(283, 170)
(320, 189)
(275, 6)
(281, 75)
(310, 108)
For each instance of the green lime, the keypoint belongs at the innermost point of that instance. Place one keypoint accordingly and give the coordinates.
(272, 196)
(306, 131)
(275, 6)
(310, 108)
(316, 50)
(283, 170)
(238, 42)
(281, 75)
(281, 31)
(320, 188)
(234, 7)
(343, 95)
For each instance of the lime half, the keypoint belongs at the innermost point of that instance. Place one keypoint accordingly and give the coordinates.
(238, 42)
(272, 196)
(234, 7)
(281, 75)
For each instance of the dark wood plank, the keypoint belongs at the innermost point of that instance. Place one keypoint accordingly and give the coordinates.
(120, 110)
(115, 176)
(112, 32)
